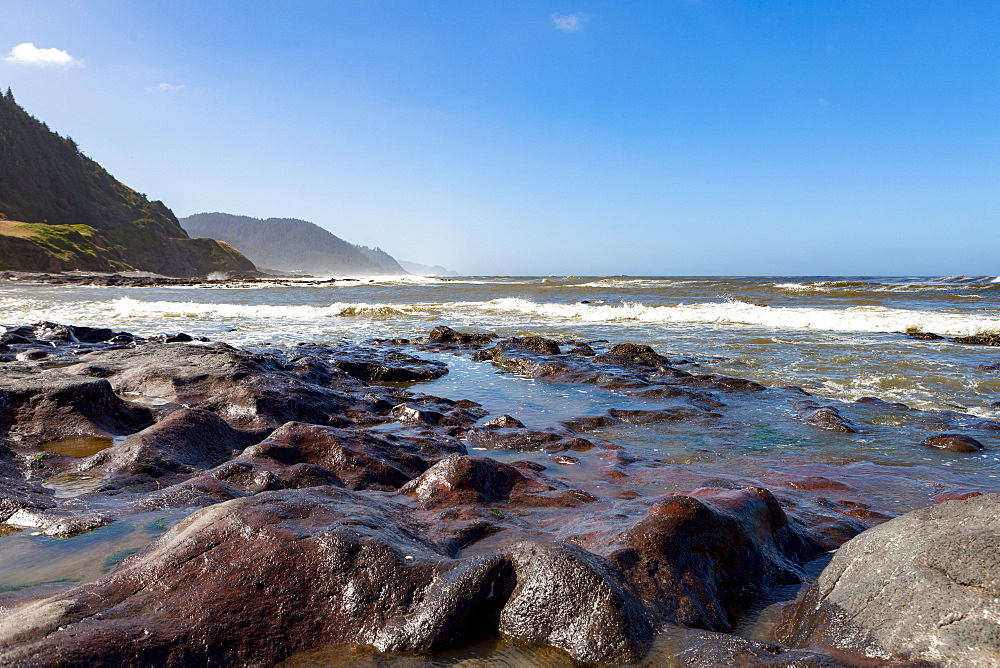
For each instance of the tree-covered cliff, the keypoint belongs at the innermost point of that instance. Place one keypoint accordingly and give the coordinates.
(60, 210)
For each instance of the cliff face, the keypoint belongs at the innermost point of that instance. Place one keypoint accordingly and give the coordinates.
(60, 210)
(287, 244)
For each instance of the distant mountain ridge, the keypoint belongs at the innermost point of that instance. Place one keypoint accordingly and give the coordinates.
(426, 269)
(289, 244)
(60, 211)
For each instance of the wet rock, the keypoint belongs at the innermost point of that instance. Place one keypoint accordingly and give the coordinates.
(638, 353)
(185, 440)
(538, 344)
(32, 355)
(513, 438)
(576, 600)
(824, 417)
(40, 407)
(982, 340)
(430, 410)
(875, 401)
(248, 390)
(725, 383)
(56, 523)
(413, 415)
(535, 344)
(924, 336)
(581, 348)
(819, 482)
(934, 568)
(705, 648)
(465, 479)
(590, 423)
(659, 416)
(470, 480)
(955, 496)
(374, 365)
(953, 443)
(695, 559)
(254, 580)
(444, 334)
(180, 337)
(18, 335)
(358, 459)
(17, 495)
(504, 421)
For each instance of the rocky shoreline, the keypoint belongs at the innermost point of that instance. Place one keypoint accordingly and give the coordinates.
(330, 503)
(143, 279)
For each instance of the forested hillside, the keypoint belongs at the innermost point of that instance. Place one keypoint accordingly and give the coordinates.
(287, 244)
(60, 210)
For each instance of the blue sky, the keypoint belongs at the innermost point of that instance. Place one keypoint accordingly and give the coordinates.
(662, 137)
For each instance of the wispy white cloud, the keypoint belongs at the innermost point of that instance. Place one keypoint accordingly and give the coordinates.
(27, 53)
(165, 87)
(570, 22)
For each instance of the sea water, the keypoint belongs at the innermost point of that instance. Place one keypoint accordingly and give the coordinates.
(837, 337)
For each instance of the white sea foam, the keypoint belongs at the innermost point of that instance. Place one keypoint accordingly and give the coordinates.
(856, 319)
(634, 283)
(126, 306)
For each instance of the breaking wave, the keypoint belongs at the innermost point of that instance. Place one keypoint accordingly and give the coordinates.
(856, 319)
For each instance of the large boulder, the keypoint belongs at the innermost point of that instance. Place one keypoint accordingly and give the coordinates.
(184, 441)
(578, 601)
(300, 455)
(253, 580)
(36, 407)
(248, 390)
(923, 586)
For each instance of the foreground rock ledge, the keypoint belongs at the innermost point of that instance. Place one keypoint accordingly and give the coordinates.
(923, 586)
(317, 530)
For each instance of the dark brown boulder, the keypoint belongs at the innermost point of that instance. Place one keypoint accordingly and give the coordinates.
(641, 354)
(254, 580)
(696, 559)
(538, 344)
(576, 600)
(513, 438)
(706, 648)
(953, 443)
(503, 421)
(659, 416)
(463, 479)
(824, 417)
(469, 480)
(248, 390)
(981, 340)
(356, 458)
(444, 334)
(40, 407)
(374, 365)
(185, 440)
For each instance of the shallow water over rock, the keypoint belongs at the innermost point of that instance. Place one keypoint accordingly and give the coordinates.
(78, 446)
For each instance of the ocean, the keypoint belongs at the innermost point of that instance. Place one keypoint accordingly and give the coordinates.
(838, 339)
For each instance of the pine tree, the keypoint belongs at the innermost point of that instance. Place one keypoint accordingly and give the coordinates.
(10, 95)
